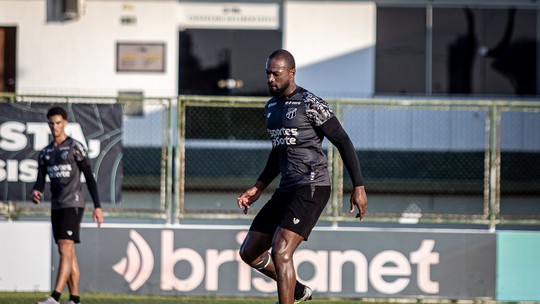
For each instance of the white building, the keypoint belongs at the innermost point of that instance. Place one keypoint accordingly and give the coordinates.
(343, 48)
(355, 48)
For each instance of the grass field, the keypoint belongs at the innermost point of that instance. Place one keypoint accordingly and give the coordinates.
(31, 297)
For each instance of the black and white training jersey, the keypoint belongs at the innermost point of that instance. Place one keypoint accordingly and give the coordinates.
(293, 123)
(62, 165)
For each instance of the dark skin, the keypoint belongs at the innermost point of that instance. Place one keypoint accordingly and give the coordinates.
(283, 243)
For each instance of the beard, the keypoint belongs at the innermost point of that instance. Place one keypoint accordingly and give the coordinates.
(277, 91)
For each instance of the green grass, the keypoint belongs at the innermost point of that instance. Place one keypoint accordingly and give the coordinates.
(31, 297)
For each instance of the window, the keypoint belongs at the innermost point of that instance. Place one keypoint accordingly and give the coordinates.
(473, 51)
(400, 61)
(225, 62)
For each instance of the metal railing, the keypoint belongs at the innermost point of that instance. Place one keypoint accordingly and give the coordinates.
(458, 172)
(423, 160)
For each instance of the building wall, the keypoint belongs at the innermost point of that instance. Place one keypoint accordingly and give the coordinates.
(334, 46)
(79, 56)
(333, 43)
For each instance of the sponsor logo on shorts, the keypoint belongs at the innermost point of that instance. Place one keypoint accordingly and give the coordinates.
(69, 232)
(296, 221)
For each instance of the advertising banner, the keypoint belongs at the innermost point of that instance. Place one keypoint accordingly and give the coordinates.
(24, 132)
(344, 262)
(518, 266)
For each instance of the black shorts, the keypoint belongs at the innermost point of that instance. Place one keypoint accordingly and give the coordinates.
(66, 224)
(297, 210)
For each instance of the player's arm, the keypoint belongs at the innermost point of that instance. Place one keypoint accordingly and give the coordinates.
(86, 169)
(270, 171)
(91, 183)
(39, 185)
(335, 133)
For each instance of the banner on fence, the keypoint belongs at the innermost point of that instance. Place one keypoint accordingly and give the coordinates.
(345, 262)
(24, 132)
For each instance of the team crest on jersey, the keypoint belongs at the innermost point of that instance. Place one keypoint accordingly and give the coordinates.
(65, 154)
(291, 113)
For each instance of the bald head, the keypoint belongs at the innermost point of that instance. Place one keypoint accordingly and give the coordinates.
(280, 71)
(285, 56)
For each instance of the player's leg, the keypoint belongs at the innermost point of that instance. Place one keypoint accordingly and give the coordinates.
(254, 252)
(254, 249)
(74, 224)
(284, 245)
(304, 207)
(73, 281)
(66, 249)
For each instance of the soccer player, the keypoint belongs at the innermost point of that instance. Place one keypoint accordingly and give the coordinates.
(63, 160)
(297, 121)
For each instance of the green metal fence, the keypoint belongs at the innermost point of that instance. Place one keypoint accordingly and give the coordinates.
(146, 156)
(423, 160)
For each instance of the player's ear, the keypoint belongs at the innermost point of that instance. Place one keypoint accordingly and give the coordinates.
(292, 71)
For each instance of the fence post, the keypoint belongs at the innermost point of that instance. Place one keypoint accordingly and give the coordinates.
(170, 173)
(180, 161)
(336, 167)
(494, 165)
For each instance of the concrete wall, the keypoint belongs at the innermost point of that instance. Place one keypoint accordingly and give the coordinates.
(78, 56)
(25, 257)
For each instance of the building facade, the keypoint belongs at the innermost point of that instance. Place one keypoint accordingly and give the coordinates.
(343, 48)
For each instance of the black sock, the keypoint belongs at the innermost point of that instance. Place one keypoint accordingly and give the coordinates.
(299, 290)
(76, 299)
(56, 295)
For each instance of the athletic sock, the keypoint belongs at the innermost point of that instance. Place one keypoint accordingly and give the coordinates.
(75, 299)
(299, 290)
(56, 295)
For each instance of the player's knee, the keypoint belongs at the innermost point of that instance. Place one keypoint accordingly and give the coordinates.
(244, 255)
(281, 257)
(66, 248)
(261, 262)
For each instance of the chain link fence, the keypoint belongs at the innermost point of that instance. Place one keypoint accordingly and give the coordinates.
(518, 128)
(147, 157)
(422, 160)
(222, 148)
(141, 168)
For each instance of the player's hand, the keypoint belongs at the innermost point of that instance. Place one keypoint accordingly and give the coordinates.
(247, 198)
(36, 197)
(98, 216)
(359, 199)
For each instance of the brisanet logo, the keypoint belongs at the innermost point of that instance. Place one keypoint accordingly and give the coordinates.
(388, 272)
(138, 264)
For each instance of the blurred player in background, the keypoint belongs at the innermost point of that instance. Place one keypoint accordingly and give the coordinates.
(63, 160)
(297, 122)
